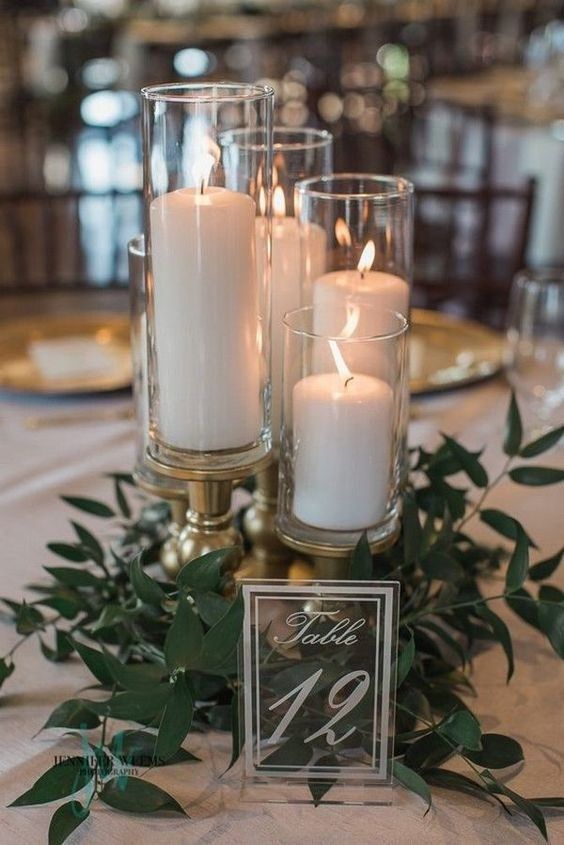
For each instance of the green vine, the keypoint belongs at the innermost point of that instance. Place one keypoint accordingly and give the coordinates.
(164, 654)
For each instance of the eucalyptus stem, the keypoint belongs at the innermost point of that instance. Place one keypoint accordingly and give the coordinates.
(485, 494)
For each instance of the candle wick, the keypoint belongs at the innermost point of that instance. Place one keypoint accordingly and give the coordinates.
(350, 378)
(362, 275)
(202, 186)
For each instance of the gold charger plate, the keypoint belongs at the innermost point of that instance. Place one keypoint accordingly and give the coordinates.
(105, 335)
(448, 352)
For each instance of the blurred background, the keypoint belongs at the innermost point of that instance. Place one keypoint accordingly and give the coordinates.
(466, 98)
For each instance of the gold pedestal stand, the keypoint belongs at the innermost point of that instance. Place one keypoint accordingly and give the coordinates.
(331, 563)
(209, 519)
(170, 551)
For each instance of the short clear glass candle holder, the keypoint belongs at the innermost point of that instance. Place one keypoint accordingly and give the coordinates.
(343, 427)
(150, 479)
(366, 247)
(297, 154)
(208, 291)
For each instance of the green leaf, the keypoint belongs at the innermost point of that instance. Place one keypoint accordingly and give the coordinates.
(113, 614)
(133, 795)
(504, 524)
(220, 642)
(89, 506)
(63, 779)
(557, 802)
(361, 563)
(527, 807)
(66, 819)
(463, 729)
(88, 541)
(429, 750)
(522, 603)
(444, 635)
(468, 462)
(74, 713)
(405, 660)
(446, 779)
(70, 552)
(211, 606)
(412, 781)
(502, 635)
(146, 589)
(121, 499)
(136, 706)
(551, 621)
(137, 677)
(237, 738)
(6, 670)
(293, 752)
(104, 762)
(66, 602)
(513, 428)
(95, 661)
(441, 566)
(205, 572)
(137, 748)
(543, 443)
(29, 619)
(176, 720)
(518, 564)
(412, 533)
(63, 647)
(497, 752)
(536, 476)
(74, 577)
(184, 639)
(545, 568)
(319, 787)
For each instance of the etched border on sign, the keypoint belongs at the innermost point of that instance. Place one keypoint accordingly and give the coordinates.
(384, 597)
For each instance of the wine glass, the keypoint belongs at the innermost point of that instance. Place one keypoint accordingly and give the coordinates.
(535, 334)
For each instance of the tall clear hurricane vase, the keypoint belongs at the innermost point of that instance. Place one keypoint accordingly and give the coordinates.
(343, 426)
(208, 275)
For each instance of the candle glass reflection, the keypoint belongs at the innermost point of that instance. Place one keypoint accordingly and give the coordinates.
(208, 278)
(343, 426)
(297, 154)
(368, 225)
(145, 474)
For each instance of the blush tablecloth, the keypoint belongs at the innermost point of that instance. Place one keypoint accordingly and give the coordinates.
(37, 466)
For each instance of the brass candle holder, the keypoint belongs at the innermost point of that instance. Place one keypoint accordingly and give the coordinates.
(208, 523)
(170, 557)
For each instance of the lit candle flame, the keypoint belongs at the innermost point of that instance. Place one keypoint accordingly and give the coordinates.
(342, 233)
(207, 158)
(279, 202)
(349, 329)
(367, 257)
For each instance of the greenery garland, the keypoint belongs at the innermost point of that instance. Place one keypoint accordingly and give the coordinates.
(164, 655)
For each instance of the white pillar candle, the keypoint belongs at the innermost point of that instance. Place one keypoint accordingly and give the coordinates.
(206, 319)
(342, 428)
(285, 283)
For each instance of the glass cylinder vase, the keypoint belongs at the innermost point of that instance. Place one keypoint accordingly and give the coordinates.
(343, 427)
(367, 221)
(297, 154)
(145, 474)
(208, 278)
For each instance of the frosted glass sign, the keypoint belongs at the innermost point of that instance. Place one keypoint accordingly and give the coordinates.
(318, 669)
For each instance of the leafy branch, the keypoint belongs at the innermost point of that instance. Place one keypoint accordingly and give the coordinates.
(163, 654)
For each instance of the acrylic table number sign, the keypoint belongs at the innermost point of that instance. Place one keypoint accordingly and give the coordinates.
(317, 671)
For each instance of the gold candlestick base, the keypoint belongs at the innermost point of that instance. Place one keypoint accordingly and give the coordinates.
(269, 557)
(209, 522)
(170, 551)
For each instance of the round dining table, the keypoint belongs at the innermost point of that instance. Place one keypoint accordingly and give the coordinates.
(53, 446)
